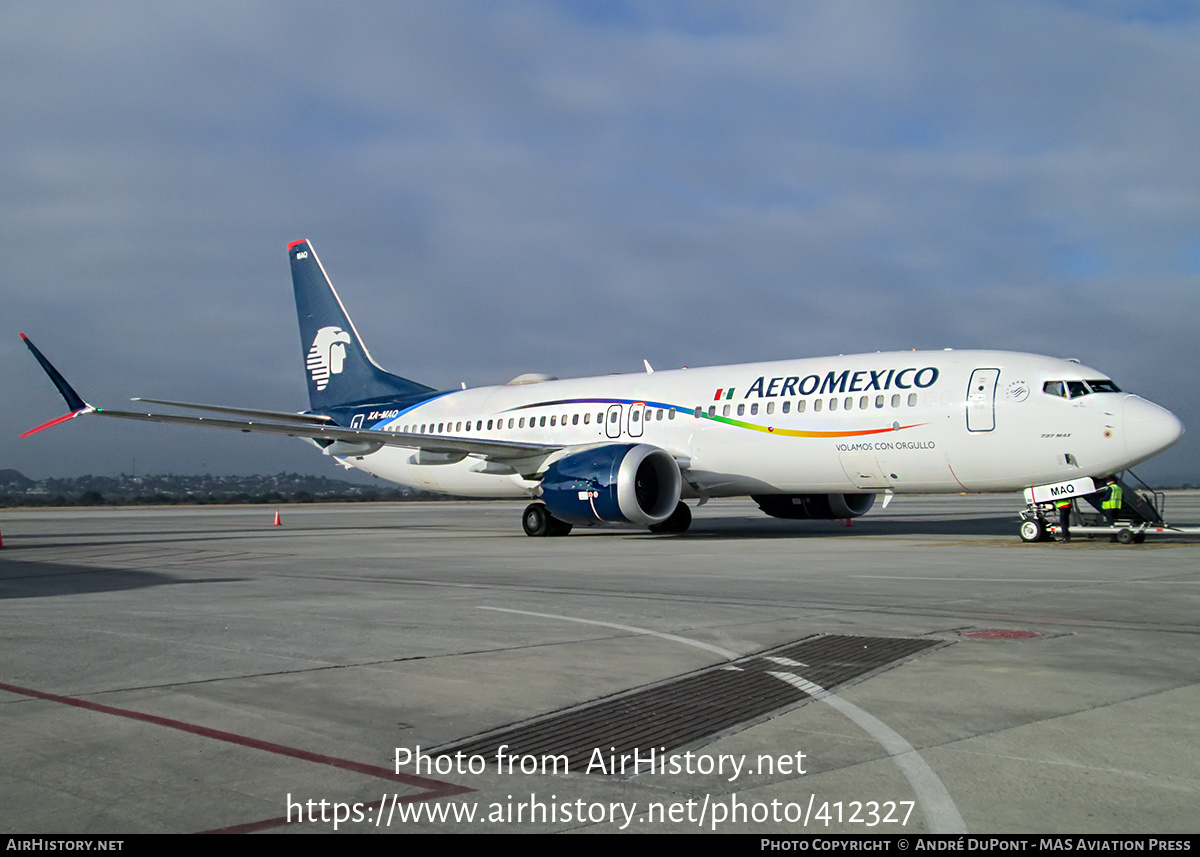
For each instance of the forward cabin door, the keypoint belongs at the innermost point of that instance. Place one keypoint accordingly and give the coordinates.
(981, 400)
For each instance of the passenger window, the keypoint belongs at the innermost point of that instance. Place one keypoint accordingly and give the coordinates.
(725, 411)
(587, 418)
(521, 423)
(478, 425)
(542, 422)
(660, 415)
(864, 402)
(895, 400)
(833, 404)
(634, 416)
(671, 414)
(575, 419)
(879, 401)
(510, 422)
(787, 406)
(612, 418)
(801, 405)
(912, 400)
(754, 409)
(817, 404)
(848, 404)
(552, 422)
(770, 407)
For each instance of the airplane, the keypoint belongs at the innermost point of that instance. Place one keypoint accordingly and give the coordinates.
(813, 438)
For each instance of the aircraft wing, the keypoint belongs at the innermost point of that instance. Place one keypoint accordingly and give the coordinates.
(286, 416)
(496, 449)
(318, 428)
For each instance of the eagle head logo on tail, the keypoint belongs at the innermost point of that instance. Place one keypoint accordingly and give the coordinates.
(327, 355)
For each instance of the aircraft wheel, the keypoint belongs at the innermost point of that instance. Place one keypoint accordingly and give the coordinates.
(678, 522)
(536, 520)
(1126, 536)
(1139, 538)
(1033, 531)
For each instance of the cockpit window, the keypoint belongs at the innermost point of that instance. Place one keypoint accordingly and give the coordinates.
(1075, 389)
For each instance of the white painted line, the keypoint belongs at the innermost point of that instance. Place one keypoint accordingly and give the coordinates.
(938, 807)
(940, 812)
(725, 653)
(784, 662)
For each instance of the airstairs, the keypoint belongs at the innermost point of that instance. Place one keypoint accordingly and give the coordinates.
(1141, 513)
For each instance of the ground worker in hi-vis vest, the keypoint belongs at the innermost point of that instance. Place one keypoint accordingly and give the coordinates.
(1063, 506)
(1112, 503)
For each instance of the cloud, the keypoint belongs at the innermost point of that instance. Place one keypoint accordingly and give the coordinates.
(565, 187)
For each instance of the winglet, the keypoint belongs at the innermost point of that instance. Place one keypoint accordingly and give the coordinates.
(73, 399)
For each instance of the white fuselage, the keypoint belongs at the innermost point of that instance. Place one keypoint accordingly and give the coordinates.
(910, 421)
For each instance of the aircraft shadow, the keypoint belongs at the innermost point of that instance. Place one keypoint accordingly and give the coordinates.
(45, 580)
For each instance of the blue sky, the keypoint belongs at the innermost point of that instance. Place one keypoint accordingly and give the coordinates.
(565, 187)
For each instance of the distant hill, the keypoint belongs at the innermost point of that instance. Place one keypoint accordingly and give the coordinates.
(16, 489)
(14, 480)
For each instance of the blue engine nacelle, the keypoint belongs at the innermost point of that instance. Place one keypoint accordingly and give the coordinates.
(621, 483)
(814, 506)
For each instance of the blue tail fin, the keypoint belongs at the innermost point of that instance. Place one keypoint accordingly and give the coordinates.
(339, 368)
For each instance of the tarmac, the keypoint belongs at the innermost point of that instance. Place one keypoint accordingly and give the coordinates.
(172, 669)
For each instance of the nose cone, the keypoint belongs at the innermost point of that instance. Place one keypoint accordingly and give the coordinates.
(1149, 429)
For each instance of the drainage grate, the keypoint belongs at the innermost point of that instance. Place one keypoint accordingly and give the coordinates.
(688, 709)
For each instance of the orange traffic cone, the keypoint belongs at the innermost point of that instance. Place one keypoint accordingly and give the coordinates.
(277, 521)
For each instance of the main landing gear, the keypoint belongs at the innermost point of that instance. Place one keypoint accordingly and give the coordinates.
(678, 522)
(536, 520)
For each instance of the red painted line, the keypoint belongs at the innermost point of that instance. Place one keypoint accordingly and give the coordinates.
(1000, 634)
(956, 479)
(433, 788)
(290, 246)
(282, 821)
